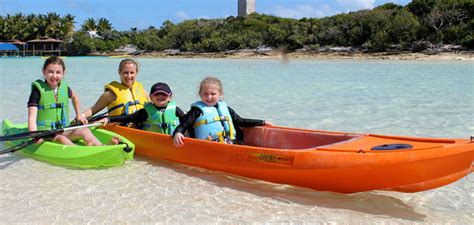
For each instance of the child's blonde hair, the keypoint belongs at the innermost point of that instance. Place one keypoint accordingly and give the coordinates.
(211, 80)
(127, 61)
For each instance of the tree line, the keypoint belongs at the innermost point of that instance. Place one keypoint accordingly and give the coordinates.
(389, 26)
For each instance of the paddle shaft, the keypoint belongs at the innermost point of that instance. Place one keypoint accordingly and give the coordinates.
(80, 126)
(98, 117)
(40, 134)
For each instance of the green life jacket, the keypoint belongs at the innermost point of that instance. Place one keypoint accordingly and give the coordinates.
(52, 114)
(161, 121)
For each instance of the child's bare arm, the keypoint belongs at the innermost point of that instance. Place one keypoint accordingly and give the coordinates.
(105, 99)
(32, 113)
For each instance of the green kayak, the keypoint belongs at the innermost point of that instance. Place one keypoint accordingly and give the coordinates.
(79, 156)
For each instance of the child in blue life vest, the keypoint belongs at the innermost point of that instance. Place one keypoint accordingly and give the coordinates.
(48, 106)
(161, 115)
(211, 118)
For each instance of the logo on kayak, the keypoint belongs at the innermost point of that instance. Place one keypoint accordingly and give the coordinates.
(270, 158)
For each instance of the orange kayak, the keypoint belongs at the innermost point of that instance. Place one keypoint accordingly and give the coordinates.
(320, 160)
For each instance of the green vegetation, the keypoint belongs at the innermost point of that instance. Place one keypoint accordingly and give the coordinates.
(390, 26)
(36, 26)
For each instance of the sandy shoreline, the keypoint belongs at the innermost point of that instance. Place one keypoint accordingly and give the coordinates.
(443, 56)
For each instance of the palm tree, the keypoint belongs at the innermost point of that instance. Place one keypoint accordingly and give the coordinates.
(35, 26)
(31, 27)
(53, 24)
(89, 25)
(41, 26)
(20, 27)
(8, 29)
(2, 27)
(67, 26)
(103, 26)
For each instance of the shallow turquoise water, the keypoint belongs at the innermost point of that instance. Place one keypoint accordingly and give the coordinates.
(409, 98)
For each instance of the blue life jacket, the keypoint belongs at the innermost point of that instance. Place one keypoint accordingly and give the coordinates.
(215, 123)
(161, 121)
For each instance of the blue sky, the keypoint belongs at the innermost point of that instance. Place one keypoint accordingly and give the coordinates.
(125, 14)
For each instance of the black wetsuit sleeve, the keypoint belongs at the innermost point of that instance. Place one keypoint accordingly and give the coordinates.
(188, 120)
(244, 122)
(180, 114)
(136, 118)
(34, 97)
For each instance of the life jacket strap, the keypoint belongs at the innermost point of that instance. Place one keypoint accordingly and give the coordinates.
(51, 106)
(53, 125)
(115, 107)
(126, 105)
(214, 119)
(159, 125)
(220, 137)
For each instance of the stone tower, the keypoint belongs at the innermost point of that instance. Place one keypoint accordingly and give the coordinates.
(246, 7)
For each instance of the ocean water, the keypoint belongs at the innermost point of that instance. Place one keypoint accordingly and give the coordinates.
(408, 98)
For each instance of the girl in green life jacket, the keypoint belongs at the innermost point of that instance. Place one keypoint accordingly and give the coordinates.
(160, 115)
(48, 106)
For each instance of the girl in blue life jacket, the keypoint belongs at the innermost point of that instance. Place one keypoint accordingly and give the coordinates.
(161, 115)
(48, 106)
(211, 118)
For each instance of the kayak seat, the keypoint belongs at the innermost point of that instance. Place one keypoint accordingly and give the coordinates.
(274, 137)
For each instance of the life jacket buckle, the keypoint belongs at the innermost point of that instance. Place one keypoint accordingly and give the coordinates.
(57, 125)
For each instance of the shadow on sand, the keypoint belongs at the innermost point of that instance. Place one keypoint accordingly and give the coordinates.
(8, 159)
(366, 202)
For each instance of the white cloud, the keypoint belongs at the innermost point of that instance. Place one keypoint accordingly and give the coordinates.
(181, 15)
(300, 11)
(354, 5)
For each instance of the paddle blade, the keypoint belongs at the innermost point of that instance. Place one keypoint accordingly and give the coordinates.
(18, 147)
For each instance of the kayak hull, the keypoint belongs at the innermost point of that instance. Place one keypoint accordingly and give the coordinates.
(79, 156)
(320, 160)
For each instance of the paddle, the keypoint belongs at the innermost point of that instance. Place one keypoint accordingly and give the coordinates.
(18, 147)
(97, 117)
(43, 133)
(22, 145)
